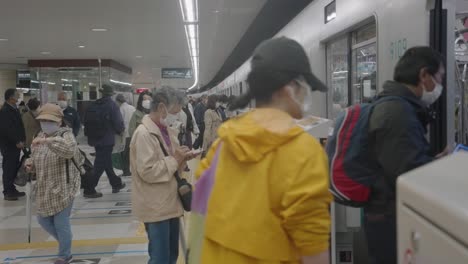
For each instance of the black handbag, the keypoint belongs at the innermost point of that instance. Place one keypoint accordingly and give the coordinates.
(184, 188)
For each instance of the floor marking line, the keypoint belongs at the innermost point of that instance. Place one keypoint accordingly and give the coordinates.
(107, 216)
(76, 243)
(80, 254)
(113, 208)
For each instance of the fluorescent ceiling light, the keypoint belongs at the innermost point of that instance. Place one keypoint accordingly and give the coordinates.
(3, 39)
(139, 57)
(193, 44)
(46, 52)
(138, 73)
(119, 82)
(99, 29)
(81, 46)
(189, 10)
(192, 31)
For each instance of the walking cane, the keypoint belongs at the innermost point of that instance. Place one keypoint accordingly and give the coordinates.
(29, 205)
(183, 241)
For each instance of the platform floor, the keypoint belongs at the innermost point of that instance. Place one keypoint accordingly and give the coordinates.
(104, 230)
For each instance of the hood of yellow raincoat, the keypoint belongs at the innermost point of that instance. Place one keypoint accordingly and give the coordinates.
(253, 135)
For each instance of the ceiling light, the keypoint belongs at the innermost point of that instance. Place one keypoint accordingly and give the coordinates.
(139, 57)
(3, 39)
(46, 52)
(81, 46)
(216, 11)
(138, 73)
(99, 29)
(189, 10)
(119, 82)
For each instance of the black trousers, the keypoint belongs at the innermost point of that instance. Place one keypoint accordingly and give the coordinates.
(381, 237)
(103, 162)
(199, 141)
(126, 157)
(10, 166)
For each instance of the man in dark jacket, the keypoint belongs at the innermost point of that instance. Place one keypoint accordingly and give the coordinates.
(103, 121)
(70, 115)
(199, 113)
(12, 137)
(397, 136)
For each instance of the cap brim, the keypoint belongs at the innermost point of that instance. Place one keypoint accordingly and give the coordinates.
(315, 83)
(49, 117)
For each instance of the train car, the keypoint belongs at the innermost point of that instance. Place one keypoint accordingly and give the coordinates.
(353, 46)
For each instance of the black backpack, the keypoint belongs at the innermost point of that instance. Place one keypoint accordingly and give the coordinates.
(96, 120)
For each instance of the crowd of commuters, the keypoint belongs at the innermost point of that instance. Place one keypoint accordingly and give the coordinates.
(277, 211)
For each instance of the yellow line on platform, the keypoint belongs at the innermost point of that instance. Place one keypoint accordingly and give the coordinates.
(76, 243)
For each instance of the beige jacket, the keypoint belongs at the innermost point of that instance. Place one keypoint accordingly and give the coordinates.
(154, 187)
(212, 122)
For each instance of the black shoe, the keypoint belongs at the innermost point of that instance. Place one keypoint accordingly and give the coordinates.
(92, 195)
(10, 197)
(126, 174)
(117, 189)
(19, 194)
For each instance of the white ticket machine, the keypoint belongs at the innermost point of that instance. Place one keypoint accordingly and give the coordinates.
(432, 206)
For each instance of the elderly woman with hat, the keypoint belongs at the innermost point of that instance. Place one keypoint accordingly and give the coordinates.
(54, 155)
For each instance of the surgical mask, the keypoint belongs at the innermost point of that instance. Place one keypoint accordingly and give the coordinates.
(146, 104)
(62, 104)
(306, 105)
(50, 127)
(430, 97)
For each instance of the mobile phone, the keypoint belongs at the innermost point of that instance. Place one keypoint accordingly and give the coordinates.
(197, 151)
(461, 148)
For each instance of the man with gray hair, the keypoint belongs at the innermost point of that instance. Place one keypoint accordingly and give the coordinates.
(155, 155)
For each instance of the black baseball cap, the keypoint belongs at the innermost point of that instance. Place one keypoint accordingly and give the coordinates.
(285, 55)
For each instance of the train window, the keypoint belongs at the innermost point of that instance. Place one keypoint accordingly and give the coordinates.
(364, 65)
(337, 75)
(364, 34)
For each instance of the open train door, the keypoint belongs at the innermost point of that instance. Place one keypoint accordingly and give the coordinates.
(441, 38)
(438, 41)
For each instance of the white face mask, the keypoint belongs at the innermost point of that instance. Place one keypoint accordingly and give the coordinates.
(306, 105)
(62, 104)
(146, 104)
(49, 127)
(430, 97)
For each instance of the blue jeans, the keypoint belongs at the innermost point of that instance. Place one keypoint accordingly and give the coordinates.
(59, 227)
(163, 247)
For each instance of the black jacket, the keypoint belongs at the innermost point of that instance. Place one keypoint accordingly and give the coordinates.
(200, 114)
(12, 128)
(397, 135)
(72, 119)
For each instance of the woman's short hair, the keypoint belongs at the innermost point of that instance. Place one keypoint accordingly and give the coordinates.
(169, 96)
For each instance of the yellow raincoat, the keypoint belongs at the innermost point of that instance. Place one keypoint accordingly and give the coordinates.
(270, 200)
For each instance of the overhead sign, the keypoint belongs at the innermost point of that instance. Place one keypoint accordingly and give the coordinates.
(176, 73)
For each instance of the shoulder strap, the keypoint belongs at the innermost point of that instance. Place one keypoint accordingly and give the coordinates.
(77, 166)
(176, 174)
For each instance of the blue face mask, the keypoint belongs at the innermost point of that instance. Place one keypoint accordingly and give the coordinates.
(49, 128)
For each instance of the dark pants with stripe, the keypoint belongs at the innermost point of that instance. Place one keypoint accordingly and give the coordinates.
(11, 162)
(103, 162)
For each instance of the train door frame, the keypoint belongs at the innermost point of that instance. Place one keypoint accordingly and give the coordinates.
(352, 46)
